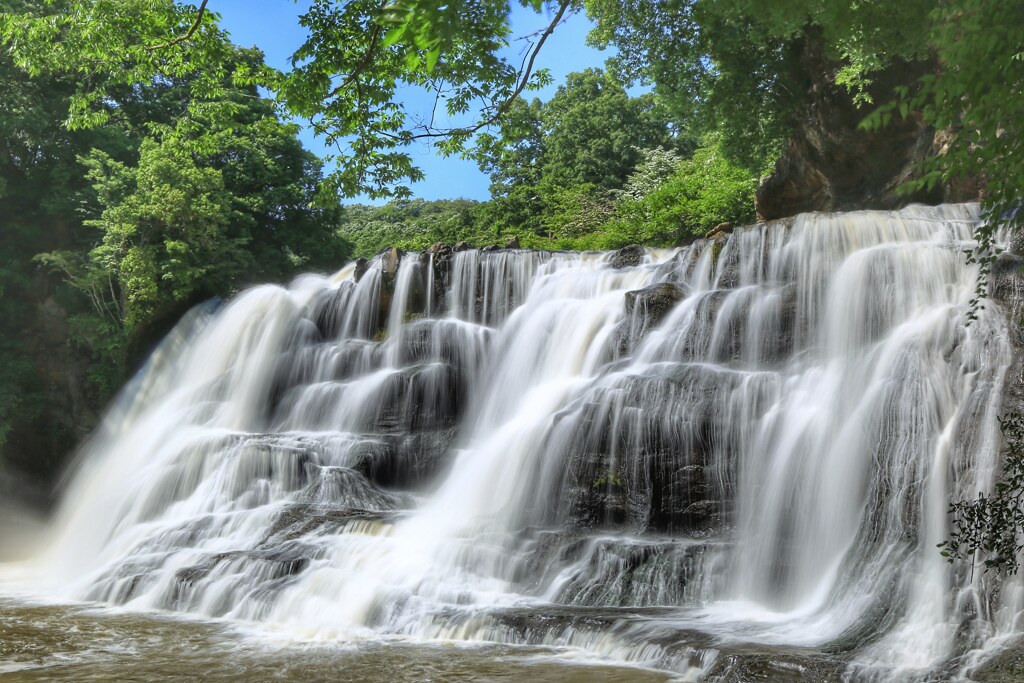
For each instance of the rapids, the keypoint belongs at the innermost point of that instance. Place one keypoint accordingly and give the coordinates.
(676, 460)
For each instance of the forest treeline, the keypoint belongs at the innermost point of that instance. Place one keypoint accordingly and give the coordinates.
(591, 168)
(147, 162)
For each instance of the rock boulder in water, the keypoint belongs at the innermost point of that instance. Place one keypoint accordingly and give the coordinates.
(654, 302)
(627, 257)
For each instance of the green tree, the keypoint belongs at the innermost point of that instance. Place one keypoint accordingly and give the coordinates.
(514, 156)
(555, 166)
(699, 193)
(39, 183)
(594, 131)
(713, 67)
(204, 211)
(654, 168)
(187, 190)
(164, 228)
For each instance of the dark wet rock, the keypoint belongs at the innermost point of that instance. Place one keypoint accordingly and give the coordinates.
(627, 257)
(448, 341)
(269, 458)
(512, 242)
(535, 625)
(1007, 283)
(745, 664)
(619, 572)
(343, 487)
(1008, 279)
(653, 303)
(388, 260)
(300, 520)
(417, 295)
(646, 469)
(361, 266)
(600, 493)
(665, 646)
(546, 553)
(333, 361)
(491, 247)
(724, 319)
(440, 256)
(278, 565)
(391, 261)
(1005, 667)
(421, 398)
(404, 461)
(327, 310)
(462, 245)
(621, 342)
(679, 498)
(254, 459)
(881, 616)
(720, 232)
(728, 264)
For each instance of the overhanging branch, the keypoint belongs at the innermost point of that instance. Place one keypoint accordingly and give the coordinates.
(184, 36)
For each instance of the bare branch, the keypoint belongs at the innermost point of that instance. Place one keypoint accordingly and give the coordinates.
(524, 79)
(367, 59)
(185, 36)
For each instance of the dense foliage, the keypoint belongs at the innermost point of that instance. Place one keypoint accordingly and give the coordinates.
(412, 225)
(356, 56)
(595, 168)
(695, 195)
(733, 67)
(111, 232)
(741, 67)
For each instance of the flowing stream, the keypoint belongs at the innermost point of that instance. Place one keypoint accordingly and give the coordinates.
(726, 461)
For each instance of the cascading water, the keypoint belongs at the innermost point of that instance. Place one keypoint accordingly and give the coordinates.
(678, 459)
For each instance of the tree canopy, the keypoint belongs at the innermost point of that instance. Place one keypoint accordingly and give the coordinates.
(193, 187)
(731, 67)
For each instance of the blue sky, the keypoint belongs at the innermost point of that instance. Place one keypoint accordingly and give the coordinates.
(273, 26)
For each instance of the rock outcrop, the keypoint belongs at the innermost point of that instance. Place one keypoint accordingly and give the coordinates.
(627, 257)
(831, 164)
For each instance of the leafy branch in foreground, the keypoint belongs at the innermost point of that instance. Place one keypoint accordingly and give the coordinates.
(372, 77)
(359, 55)
(994, 525)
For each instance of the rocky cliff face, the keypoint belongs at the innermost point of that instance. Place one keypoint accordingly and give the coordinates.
(830, 164)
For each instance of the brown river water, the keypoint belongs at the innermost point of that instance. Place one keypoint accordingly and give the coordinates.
(83, 643)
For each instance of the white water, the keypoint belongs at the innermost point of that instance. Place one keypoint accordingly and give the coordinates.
(770, 462)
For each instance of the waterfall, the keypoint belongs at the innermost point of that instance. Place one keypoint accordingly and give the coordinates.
(670, 458)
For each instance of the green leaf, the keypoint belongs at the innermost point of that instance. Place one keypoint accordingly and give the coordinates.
(432, 56)
(394, 35)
